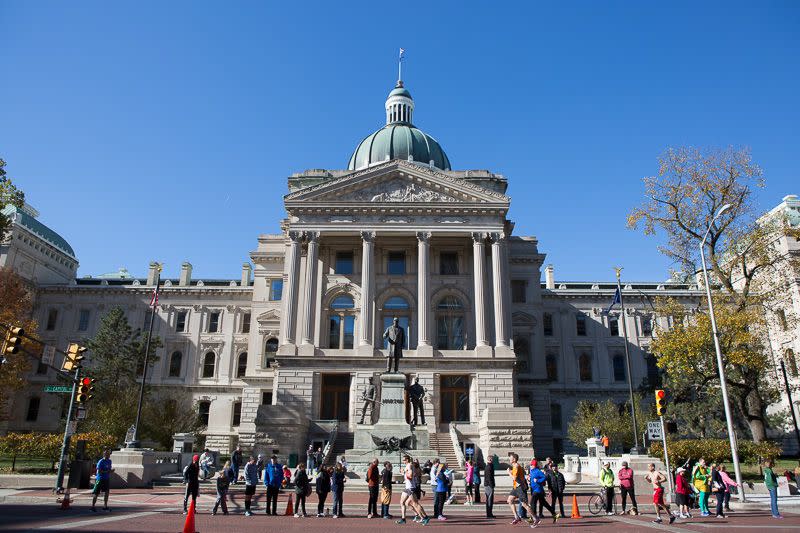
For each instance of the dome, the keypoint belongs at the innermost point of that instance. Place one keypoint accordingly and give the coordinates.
(399, 139)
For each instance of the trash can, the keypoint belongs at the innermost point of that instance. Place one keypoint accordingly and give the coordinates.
(292, 460)
(79, 474)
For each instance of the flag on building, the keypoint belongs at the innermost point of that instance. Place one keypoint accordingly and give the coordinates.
(614, 301)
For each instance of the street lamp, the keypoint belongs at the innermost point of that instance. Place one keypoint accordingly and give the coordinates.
(720, 366)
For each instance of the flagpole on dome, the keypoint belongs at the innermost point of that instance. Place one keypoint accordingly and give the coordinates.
(134, 442)
(400, 67)
(618, 298)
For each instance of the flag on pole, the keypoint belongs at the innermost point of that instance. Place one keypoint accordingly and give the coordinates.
(615, 300)
(154, 298)
(402, 51)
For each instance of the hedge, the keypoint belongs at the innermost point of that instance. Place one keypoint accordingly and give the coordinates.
(714, 450)
(48, 445)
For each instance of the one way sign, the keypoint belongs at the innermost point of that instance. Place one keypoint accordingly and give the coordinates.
(654, 430)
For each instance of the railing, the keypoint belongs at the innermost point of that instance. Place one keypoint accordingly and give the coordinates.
(457, 446)
(331, 440)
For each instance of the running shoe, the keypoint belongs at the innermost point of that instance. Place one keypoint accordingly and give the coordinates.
(657, 521)
(671, 519)
(425, 521)
(516, 521)
(401, 521)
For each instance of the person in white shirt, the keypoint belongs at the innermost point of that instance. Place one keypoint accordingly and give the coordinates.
(407, 497)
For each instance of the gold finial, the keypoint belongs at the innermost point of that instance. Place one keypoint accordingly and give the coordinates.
(618, 270)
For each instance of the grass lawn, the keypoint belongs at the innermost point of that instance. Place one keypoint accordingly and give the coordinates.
(751, 472)
(26, 465)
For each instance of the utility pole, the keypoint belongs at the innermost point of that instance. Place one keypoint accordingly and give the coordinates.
(65, 444)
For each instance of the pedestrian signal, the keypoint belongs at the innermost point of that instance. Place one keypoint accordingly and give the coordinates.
(85, 389)
(13, 340)
(661, 402)
(73, 357)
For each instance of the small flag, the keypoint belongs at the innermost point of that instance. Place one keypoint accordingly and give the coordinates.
(614, 301)
(402, 51)
(154, 299)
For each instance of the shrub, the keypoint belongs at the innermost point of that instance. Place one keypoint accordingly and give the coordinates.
(714, 450)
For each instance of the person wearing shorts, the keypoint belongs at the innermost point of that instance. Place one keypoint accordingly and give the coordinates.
(250, 482)
(682, 491)
(408, 497)
(656, 479)
(102, 480)
(518, 493)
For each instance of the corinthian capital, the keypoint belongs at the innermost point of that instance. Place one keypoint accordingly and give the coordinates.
(368, 236)
(423, 236)
(295, 236)
(497, 237)
(478, 237)
(312, 236)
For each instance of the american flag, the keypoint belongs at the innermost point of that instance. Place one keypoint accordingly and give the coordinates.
(154, 298)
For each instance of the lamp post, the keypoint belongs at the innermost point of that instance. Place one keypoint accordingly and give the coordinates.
(720, 366)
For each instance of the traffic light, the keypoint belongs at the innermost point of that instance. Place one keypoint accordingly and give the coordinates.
(85, 388)
(13, 340)
(73, 357)
(661, 402)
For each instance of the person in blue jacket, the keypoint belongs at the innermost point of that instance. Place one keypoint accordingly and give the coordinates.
(273, 476)
(338, 479)
(537, 481)
(440, 492)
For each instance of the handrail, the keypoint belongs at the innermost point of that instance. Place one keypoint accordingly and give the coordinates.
(331, 440)
(457, 446)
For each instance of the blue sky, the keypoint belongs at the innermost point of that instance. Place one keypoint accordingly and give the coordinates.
(166, 130)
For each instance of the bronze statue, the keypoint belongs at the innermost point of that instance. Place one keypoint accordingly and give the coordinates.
(369, 401)
(416, 393)
(397, 339)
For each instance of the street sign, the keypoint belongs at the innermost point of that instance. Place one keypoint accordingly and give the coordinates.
(58, 388)
(654, 430)
(80, 413)
(72, 427)
(48, 354)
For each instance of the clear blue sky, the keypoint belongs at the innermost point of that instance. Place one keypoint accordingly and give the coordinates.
(166, 130)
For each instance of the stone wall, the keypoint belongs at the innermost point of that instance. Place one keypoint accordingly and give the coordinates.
(506, 429)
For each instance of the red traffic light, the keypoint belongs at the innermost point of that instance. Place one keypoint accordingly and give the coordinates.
(660, 393)
(86, 382)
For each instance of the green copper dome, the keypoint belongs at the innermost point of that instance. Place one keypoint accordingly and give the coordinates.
(399, 139)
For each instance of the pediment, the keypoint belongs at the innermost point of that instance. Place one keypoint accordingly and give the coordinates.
(396, 182)
(266, 316)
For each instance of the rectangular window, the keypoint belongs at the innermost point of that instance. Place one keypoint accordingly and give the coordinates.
(551, 366)
(237, 414)
(547, 324)
(647, 326)
(33, 410)
(555, 416)
(335, 397)
(454, 399)
(580, 324)
(275, 290)
(618, 362)
(180, 323)
(213, 322)
(613, 326)
(344, 263)
(246, 323)
(397, 264)
(203, 411)
(52, 318)
(266, 398)
(448, 264)
(518, 289)
(83, 320)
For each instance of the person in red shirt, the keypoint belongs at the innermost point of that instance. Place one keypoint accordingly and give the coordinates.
(373, 479)
(682, 491)
(625, 476)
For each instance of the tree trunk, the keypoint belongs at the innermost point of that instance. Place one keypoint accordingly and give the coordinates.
(754, 406)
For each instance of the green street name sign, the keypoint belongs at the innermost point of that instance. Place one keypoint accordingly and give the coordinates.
(57, 388)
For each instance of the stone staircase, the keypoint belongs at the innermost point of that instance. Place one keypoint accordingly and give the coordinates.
(344, 441)
(442, 443)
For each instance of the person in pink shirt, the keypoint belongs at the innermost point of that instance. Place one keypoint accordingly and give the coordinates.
(625, 476)
(470, 467)
(728, 482)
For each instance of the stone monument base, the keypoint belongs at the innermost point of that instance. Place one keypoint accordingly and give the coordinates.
(138, 467)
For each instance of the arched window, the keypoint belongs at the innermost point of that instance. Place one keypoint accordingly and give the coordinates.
(619, 368)
(209, 365)
(241, 365)
(551, 366)
(341, 323)
(791, 362)
(450, 324)
(397, 306)
(270, 349)
(175, 361)
(203, 410)
(523, 352)
(585, 367)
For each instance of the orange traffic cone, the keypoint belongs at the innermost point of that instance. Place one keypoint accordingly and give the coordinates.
(289, 509)
(65, 501)
(575, 512)
(188, 526)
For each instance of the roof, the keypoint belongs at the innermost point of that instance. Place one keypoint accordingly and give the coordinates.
(22, 218)
(399, 141)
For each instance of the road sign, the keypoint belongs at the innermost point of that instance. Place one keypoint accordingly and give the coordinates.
(48, 354)
(58, 388)
(80, 413)
(72, 427)
(654, 430)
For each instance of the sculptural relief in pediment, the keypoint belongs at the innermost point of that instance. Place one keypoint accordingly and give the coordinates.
(397, 190)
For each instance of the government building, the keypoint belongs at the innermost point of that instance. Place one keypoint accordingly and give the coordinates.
(280, 355)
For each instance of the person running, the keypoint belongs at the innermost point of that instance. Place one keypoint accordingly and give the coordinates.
(470, 470)
(250, 482)
(557, 486)
(518, 493)
(607, 483)
(440, 491)
(323, 488)
(302, 488)
(418, 492)
(273, 477)
(338, 479)
(701, 480)
(537, 482)
(102, 480)
(682, 490)
(657, 479)
(223, 483)
(386, 490)
(726, 479)
(771, 481)
(236, 463)
(191, 477)
(625, 476)
(408, 497)
(488, 486)
(373, 482)
(718, 490)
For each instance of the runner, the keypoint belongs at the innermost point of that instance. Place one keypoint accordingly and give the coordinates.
(102, 480)
(519, 493)
(407, 497)
(538, 479)
(656, 479)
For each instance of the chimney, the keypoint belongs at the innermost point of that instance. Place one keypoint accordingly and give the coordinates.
(246, 269)
(186, 274)
(549, 277)
(152, 272)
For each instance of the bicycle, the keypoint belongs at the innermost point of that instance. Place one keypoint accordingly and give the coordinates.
(597, 503)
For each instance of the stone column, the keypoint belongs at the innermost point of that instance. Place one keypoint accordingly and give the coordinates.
(500, 304)
(365, 346)
(307, 347)
(482, 347)
(290, 294)
(424, 346)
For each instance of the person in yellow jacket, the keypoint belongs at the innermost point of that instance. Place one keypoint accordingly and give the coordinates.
(607, 482)
(701, 481)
